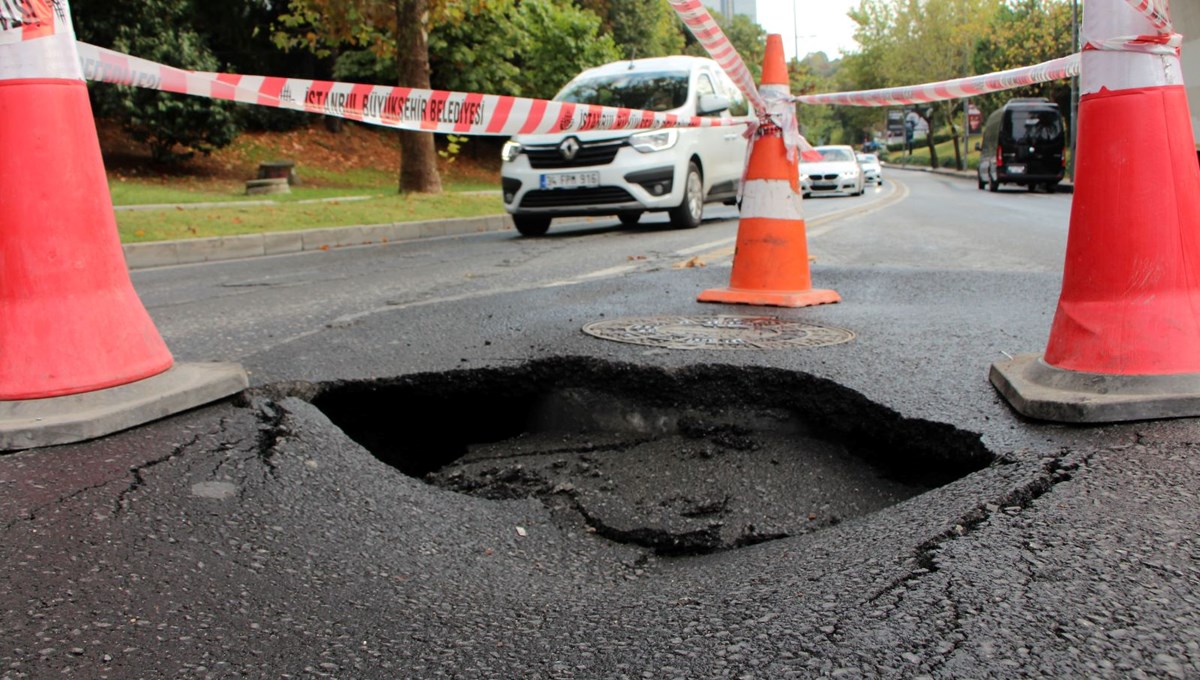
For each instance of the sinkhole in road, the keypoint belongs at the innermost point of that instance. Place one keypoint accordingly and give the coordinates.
(679, 461)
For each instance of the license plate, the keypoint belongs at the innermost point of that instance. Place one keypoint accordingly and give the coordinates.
(1016, 169)
(571, 180)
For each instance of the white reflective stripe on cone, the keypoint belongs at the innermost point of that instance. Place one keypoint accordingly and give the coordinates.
(1113, 70)
(50, 57)
(771, 199)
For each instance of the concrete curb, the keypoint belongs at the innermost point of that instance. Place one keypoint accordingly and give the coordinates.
(191, 251)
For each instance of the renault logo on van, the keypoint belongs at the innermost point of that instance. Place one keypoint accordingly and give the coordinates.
(568, 148)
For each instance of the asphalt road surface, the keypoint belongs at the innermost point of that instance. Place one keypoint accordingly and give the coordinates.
(437, 473)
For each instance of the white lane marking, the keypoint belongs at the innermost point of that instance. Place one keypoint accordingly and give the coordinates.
(705, 246)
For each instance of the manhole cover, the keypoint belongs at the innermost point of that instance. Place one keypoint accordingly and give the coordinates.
(718, 332)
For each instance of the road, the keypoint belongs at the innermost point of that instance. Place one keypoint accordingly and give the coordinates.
(863, 509)
(236, 310)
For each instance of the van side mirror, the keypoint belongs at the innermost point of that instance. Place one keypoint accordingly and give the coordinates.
(711, 103)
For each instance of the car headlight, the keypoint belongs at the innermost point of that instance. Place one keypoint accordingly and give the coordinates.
(850, 174)
(654, 140)
(510, 151)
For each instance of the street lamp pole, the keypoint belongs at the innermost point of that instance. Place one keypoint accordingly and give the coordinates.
(795, 32)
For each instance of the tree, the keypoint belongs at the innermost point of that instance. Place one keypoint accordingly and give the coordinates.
(174, 126)
(232, 29)
(1023, 33)
(858, 70)
(382, 26)
(817, 123)
(475, 47)
(559, 41)
(919, 41)
(418, 164)
(747, 37)
(641, 28)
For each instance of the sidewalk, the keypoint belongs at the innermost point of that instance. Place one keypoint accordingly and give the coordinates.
(190, 251)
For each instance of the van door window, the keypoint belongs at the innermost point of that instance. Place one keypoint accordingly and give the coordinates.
(704, 85)
(1036, 127)
(737, 100)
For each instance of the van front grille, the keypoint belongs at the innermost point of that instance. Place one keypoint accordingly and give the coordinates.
(592, 153)
(563, 198)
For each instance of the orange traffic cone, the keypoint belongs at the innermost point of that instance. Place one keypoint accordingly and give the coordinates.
(1125, 341)
(70, 321)
(770, 264)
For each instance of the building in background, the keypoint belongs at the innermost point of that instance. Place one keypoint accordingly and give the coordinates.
(729, 8)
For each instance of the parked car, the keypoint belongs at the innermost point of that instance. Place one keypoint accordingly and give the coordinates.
(838, 172)
(872, 170)
(1024, 143)
(628, 173)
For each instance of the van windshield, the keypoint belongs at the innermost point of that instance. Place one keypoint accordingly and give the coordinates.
(657, 91)
(1036, 127)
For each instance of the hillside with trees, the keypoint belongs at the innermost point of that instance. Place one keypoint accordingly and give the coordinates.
(527, 48)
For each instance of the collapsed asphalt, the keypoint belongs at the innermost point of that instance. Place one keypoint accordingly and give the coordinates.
(681, 463)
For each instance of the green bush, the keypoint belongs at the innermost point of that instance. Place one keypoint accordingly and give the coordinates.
(175, 126)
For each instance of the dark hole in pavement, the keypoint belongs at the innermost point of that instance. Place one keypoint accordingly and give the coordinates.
(683, 461)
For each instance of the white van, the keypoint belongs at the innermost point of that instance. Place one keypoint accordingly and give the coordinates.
(624, 173)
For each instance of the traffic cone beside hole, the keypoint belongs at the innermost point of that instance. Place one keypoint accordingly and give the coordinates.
(1125, 340)
(770, 264)
(79, 355)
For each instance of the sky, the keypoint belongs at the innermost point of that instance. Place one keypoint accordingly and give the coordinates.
(823, 25)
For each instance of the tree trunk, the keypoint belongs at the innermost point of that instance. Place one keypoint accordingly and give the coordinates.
(958, 153)
(933, 157)
(418, 157)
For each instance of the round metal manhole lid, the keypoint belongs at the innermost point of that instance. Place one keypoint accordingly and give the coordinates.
(718, 332)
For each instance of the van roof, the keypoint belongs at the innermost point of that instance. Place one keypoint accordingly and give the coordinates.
(1031, 103)
(673, 63)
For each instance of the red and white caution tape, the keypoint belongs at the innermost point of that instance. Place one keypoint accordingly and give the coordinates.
(1164, 41)
(698, 20)
(397, 107)
(952, 89)
(1157, 11)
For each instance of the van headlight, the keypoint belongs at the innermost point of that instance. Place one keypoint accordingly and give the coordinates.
(654, 140)
(510, 151)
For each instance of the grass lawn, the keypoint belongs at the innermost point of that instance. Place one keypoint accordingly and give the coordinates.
(945, 152)
(358, 165)
(181, 223)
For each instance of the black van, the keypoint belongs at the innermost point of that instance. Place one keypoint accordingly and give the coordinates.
(1023, 143)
